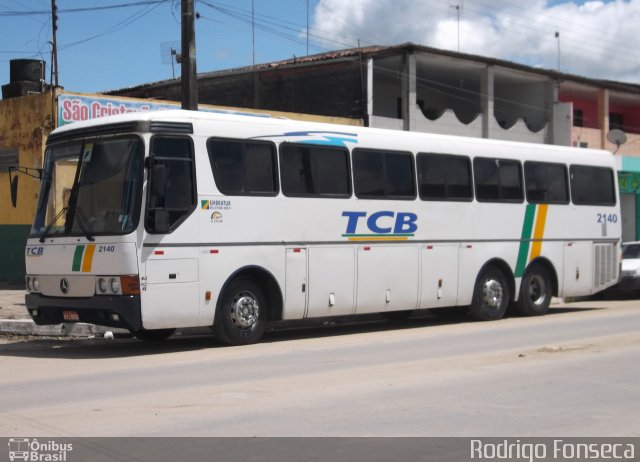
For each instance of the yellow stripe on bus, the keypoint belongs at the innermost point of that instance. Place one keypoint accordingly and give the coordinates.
(87, 261)
(538, 232)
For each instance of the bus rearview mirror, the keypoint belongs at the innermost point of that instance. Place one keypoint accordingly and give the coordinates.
(13, 185)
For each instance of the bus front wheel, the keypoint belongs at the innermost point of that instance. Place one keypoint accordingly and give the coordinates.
(490, 295)
(535, 292)
(242, 315)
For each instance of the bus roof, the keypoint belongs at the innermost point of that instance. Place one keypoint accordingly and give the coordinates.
(367, 137)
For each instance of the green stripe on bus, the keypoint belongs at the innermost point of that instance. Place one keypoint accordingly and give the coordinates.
(525, 239)
(77, 258)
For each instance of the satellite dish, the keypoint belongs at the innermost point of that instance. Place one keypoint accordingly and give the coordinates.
(617, 137)
(170, 54)
(168, 51)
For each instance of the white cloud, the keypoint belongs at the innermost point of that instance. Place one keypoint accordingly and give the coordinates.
(598, 39)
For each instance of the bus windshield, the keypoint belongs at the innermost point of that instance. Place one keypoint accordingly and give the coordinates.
(91, 187)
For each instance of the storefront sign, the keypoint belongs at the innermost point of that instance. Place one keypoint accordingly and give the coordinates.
(76, 108)
(629, 182)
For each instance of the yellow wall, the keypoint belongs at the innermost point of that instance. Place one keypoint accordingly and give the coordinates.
(25, 124)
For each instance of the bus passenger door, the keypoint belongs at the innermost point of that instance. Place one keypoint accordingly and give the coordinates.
(439, 281)
(295, 297)
(170, 286)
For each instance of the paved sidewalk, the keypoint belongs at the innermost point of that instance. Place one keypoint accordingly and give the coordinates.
(12, 304)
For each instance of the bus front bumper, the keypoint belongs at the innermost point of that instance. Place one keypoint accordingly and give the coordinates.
(111, 311)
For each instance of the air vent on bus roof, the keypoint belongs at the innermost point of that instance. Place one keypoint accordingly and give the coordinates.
(171, 127)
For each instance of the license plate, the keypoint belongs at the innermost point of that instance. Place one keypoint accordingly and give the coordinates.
(71, 316)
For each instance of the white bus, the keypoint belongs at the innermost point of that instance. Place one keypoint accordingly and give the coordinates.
(163, 220)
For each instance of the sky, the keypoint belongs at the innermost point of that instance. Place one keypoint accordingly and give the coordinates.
(111, 44)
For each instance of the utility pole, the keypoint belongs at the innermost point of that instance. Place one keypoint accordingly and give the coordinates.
(558, 37)
(54, 53)
(188, 76)
(458, 11)
(458, 8)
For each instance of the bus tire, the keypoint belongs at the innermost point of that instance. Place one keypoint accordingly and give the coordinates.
(153, 335)
(490, 295)
(535, 292)
(242, 316)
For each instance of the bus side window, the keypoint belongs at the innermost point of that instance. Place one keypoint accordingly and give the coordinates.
(498, 180)
(444, 177)
(381, 174)
(592, 185)
(243, 168)
(314, 171)
(171, 194)
(546, 183)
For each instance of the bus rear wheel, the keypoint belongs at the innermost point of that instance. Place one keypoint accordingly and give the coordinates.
(242, 316)
(535, 292)
(490, 295)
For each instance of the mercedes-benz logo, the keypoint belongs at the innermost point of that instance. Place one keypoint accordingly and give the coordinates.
(64, 285)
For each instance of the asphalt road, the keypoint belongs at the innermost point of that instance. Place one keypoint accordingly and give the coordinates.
(574, 372)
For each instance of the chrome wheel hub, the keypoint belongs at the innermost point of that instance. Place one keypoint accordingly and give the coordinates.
(492, 293)
(537, 289)
(244, 310)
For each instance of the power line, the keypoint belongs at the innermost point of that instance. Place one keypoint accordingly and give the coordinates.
(82, 10)
(116, 27)
(272, 25)
(544, 24)
(29, 17)
(526, 24)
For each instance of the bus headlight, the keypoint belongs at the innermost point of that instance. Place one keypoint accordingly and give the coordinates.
(118, 285)
(33, 284)
(114, 285)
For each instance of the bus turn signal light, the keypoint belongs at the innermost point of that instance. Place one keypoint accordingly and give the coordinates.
(130, 285)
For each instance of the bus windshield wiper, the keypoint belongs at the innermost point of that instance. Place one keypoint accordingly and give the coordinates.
(81, 220)
(79, 217)
(51, 223)
(75, 213)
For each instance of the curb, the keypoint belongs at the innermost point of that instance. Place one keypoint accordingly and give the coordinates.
(28, 327)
